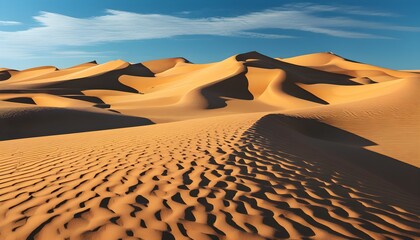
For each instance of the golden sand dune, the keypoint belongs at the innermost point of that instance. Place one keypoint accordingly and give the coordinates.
(252, 147)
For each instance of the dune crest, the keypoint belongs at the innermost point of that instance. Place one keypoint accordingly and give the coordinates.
(315, 146)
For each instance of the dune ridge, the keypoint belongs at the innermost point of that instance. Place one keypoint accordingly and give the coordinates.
(315, 146)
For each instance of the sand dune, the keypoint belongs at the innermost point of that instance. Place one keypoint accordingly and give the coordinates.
(316, 146)
(334, 63)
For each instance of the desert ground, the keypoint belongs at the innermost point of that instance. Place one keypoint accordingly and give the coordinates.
(252, 147)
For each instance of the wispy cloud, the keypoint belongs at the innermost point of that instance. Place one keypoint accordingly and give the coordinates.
(350, 10)
(56, 31)
(9, 23)
(78, 54)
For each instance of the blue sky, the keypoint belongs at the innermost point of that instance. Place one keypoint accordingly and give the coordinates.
(65, 33)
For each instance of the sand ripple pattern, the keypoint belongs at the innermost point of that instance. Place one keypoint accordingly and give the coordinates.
(225, 178)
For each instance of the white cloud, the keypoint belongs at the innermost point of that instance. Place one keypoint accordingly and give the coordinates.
(9, 23)
(56, 31)
(351, 10)
(185, 12)
(77, 54)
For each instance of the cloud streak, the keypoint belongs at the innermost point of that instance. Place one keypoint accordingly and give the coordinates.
(349, 10)
(9, 23)
(56, 31)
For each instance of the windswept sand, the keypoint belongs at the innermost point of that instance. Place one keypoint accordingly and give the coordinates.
(252, 147)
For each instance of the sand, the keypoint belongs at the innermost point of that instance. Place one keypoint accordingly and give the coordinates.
(316, 146)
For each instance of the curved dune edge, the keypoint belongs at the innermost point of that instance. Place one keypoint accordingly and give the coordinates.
(316, 146)
(321, 85)
(226, 177)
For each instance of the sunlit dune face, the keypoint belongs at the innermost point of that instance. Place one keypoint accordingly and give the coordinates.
(251, 147)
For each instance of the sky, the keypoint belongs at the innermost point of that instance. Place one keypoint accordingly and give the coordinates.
(69, 32)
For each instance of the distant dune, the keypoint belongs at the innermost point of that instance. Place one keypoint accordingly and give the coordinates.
(253, 147)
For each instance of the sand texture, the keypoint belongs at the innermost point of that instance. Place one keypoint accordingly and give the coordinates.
(252, 147)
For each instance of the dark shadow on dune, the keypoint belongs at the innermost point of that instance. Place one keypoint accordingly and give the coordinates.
(289, 85)
(348, 60)
(35, 122)
(97, 102)
(139, 69)
(53, 91)
(108, 80)
(4, 75)
(294, 90)
(85, 98)
(235, 87)
(26, 100)
(344, 145)
(319, 130)
(296, 73)
(324, 183)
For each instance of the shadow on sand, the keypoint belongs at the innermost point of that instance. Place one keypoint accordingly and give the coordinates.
(44, 121)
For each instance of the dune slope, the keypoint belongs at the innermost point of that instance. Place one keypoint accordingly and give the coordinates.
(239, 176)
(316, 146)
